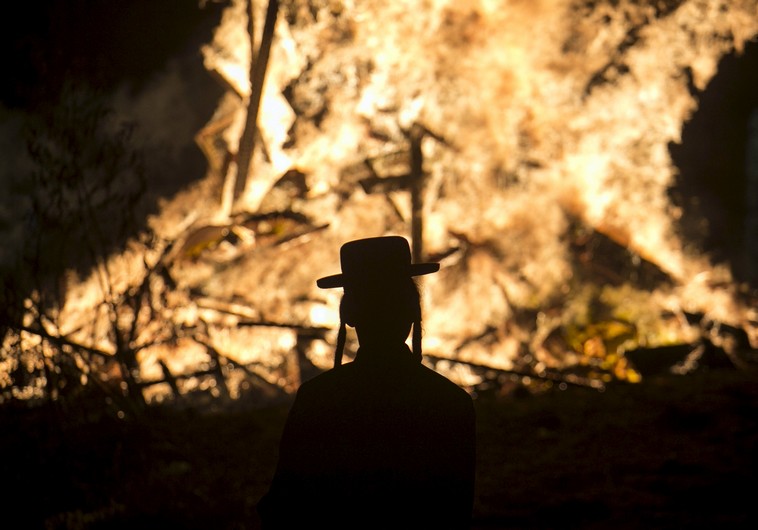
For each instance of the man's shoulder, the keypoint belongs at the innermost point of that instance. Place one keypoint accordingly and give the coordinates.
(348, 375)
(329, 378)
(444, 385)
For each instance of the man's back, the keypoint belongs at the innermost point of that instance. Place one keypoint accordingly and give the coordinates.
(387, 441)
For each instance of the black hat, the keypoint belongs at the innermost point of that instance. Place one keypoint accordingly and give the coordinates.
(375, 259)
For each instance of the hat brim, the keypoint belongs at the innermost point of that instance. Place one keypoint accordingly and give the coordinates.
(415, 269)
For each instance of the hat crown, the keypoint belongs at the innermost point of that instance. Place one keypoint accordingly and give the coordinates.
(375, 257)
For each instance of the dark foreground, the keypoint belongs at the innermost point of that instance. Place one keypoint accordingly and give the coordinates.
(671, 452)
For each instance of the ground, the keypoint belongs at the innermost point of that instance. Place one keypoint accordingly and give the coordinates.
(674, 451)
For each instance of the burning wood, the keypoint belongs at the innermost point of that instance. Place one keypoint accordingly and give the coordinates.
(533, 164)
(572, 126)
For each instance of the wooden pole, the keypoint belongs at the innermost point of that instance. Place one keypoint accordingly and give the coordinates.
(258, 64)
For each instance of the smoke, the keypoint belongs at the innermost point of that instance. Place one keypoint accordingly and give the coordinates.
(12, 203)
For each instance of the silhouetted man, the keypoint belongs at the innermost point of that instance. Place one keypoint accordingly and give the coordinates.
(383, 441)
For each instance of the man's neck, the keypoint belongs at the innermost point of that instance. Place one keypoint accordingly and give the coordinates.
(383, 351)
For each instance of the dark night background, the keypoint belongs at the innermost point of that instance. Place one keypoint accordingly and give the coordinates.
(103, 43)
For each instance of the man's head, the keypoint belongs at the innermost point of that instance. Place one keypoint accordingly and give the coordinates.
(382, 311)
(381, 299)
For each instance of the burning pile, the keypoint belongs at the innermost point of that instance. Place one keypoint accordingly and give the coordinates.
(524, 145)
(544, 139)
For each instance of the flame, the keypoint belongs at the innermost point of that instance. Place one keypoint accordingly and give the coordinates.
(539, 116)
(578, 116)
